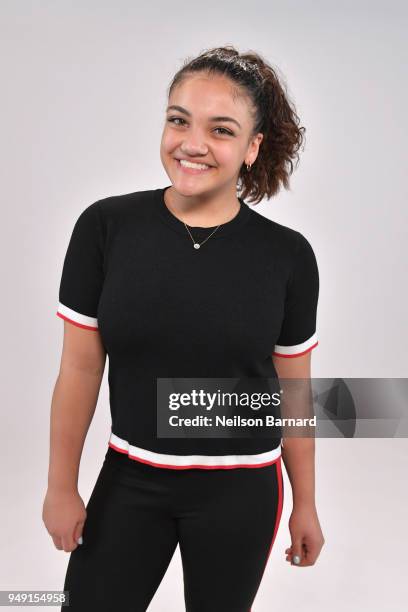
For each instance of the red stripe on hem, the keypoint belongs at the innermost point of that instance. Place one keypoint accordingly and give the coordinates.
(297, 354)
(186, 467)
(76, 323)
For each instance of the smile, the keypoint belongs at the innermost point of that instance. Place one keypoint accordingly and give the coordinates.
(191, 167)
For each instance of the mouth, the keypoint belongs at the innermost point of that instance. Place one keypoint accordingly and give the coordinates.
(192, 168)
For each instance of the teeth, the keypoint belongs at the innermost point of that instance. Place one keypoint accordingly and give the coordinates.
(188, 164)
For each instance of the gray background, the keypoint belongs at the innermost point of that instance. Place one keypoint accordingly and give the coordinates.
(83, 97)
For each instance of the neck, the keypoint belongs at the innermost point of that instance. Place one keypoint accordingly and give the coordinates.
(203, 211)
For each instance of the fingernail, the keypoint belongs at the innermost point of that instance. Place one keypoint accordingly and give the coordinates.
(80, 540)
(296, 559)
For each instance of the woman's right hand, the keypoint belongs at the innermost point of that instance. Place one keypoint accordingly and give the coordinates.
(64, 516)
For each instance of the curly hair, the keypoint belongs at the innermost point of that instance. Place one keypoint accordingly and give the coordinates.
(273, 115)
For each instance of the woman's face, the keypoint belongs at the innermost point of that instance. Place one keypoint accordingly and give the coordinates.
(211, 127)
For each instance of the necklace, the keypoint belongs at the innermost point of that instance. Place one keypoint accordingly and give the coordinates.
(197, 245)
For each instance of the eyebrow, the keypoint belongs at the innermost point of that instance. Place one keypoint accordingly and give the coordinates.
(218, 118)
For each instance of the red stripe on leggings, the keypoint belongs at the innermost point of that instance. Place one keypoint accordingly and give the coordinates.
(278, 511)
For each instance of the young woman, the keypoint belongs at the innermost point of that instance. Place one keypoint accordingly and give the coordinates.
(186, 281)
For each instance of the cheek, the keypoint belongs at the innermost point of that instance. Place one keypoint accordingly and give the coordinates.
(227, 155)
(169, 141)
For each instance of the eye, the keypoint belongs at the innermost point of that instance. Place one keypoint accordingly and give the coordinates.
(225, 131)
(175, 119)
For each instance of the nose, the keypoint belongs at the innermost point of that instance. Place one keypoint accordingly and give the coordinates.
(194, 144)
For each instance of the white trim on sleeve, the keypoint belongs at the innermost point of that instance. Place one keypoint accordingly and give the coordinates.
(296, 349)
(76, 317)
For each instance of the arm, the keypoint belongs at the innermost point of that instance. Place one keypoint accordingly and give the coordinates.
(298, 455)
(73, 405)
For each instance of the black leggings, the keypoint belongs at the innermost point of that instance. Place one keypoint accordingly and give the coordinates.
(224, 520)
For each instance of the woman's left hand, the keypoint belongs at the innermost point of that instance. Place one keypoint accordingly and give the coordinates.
(306, 534)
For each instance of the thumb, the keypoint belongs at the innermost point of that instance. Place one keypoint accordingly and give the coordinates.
(297, 552)
(78, 532)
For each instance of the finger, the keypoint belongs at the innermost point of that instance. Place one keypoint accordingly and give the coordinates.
(297, 552)
(68, 543)
(78, 532)
(303, 562)
(312, 552)
(57, 542)
(305, 559)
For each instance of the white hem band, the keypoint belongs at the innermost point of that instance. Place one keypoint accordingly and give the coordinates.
(193, 461)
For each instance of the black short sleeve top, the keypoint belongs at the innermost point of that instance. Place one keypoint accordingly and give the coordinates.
(166, 309)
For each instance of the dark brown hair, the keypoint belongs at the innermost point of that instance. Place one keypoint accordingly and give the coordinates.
(274, 116)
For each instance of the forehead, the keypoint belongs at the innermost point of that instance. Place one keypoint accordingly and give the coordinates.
(215, 94)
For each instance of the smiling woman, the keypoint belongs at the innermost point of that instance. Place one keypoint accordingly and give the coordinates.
(240, 101)
(186, 281)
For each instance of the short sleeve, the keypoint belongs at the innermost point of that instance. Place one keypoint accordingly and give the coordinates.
(82, 273)
(298, 331)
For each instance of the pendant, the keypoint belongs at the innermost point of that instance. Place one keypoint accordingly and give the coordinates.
(196, 245)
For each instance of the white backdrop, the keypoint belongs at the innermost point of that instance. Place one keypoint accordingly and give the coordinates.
(82, 108)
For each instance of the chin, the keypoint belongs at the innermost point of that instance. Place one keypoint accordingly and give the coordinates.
(189, 187)
(188, 193)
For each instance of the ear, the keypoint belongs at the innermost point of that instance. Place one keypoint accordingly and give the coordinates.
(253, 148)
(259, 139)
